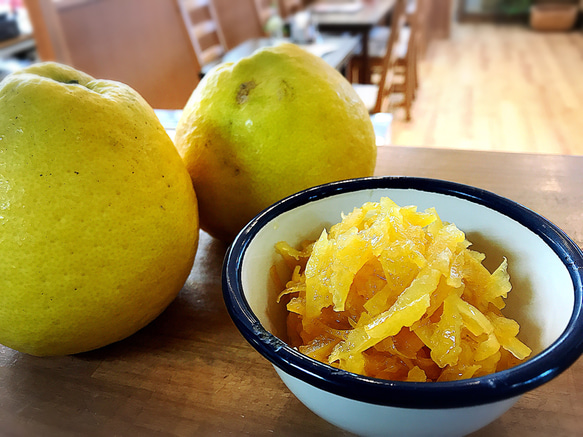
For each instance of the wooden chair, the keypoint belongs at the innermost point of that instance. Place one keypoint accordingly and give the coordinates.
(204, 29)
(406, 79)
(421, 15)
(405, 74)
(48, 33)
(289, 7)
(375, 96)
(142, 43)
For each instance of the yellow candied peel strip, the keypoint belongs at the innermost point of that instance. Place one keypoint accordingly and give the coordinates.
(394, 293)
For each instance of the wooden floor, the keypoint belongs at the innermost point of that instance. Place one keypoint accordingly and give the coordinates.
(499, 87)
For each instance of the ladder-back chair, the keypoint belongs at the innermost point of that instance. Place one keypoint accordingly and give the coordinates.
(205, 31)
(375, 96)
(138, 42)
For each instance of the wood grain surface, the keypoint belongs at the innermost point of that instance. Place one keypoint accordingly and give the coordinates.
(190, 372)
(498, 87)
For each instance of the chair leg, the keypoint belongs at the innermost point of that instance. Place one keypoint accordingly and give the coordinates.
(352, 70)
(410, 85)
(407, 86)
(415, 71)
(408, 101)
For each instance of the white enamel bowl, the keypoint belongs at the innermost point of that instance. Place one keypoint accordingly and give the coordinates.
(546, 270)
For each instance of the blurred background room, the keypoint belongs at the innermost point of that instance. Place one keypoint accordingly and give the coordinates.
(500, 75)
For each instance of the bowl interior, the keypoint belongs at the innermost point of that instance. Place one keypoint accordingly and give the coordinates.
(542, 298)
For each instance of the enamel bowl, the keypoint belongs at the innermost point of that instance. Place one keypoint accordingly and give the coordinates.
(546, 270)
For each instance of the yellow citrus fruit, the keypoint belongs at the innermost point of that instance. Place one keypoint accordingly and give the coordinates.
(270, 125)
(98, 216)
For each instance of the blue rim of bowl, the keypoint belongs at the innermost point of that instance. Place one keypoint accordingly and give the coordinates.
(475, 391)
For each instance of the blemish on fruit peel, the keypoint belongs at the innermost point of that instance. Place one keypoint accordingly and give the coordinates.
(249, 124)
(285, 91)
(244, 89)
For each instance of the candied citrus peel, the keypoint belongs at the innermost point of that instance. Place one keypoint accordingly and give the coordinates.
(394, 293)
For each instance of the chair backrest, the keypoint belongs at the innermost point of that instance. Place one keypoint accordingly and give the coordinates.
(204, 29)
(398, 20)
(264, 12)
(289, 7)
(143, 43)
(50, 40)
(414, 14)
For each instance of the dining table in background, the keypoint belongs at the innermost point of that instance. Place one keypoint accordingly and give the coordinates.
(339, 18)
(336, 50)
(21, 43)
(190, 372)
(16, 53)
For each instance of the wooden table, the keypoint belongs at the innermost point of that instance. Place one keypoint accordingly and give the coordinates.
(360, 23)
(190, 372)
(336, 50)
